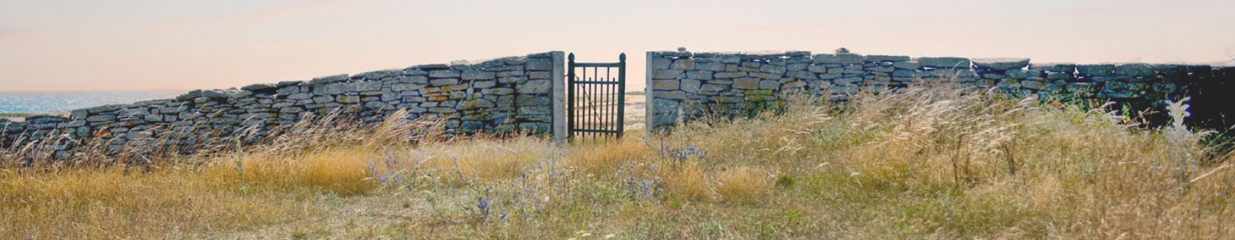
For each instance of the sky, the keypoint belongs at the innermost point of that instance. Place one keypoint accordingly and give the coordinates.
(57, 45)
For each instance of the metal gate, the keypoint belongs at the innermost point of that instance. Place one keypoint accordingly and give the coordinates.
(596, 99)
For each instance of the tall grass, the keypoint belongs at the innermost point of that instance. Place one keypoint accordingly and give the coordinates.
(933, 160)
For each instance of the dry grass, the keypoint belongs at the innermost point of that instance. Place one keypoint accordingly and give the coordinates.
(741, 184)
(689, 181)
(931, 161)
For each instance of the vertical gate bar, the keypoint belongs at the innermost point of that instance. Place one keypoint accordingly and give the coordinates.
(592, 103)
(587, 102)
(596, 101)
(621, 107)
(570, 97)
(604, 107)
(609, 100)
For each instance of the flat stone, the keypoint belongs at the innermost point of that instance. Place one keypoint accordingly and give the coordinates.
(843, 58)
(478, 75)
(683, 64)
(944, 62)
(1023, 74)
(665, 84)
(534, 87)
(886, 58)
(667, 74)
(906, 65)
(1096, 69)
(746, 83)
(484, 84)
(329, 79)
(444, 73)
(1058, 76)
(535, 110)
(260, 87)
(1055, 67)
(1001, 64)
(690, 85)
(728, 75)
(369, 86)
(661, 63)
(444, 82)
(699, 75)
(769, 84)
(1134, 69)
(539, 64)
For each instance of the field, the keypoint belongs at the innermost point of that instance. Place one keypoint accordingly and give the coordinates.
(938, 163)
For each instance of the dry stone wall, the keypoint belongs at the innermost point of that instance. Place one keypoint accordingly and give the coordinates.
(684, 85)
(500, 95)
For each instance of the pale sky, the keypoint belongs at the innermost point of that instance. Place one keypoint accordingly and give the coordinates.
(55, 45)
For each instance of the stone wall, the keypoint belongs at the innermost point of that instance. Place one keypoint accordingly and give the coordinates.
(501, 95)
(683, 85)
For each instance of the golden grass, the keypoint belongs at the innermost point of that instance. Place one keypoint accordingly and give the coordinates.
(939, 163)
(741, 184)
(110, 203)
(688, 181)
(603, 158)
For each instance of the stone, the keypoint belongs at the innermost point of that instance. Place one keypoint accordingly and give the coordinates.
(1023, 74)
(886, 58)
(771, 69)
(534, 87)
(329, 79)
(802, 75)
(1055, 67)
(699, 75)
(369, 86)
(444, 82)
(539, 64)
(882, 69)
(100, 118)
(1001, 64)
(446, 73)
(539, 75)
(665, 84)
(728, 75)
(670, 94)
(1135, 69)
(299, 96)
(746, 83)
(906, 65)
(1096, 69)
(1008, 83)
(904, 73)
(402, 87)
(330, 89)
(661, 63)
(379, 74)
(260, 87)
(1058, 76)
(683, 64)
(691, 85)
(1035, 85)
(536, 110)
(830, 76)
(769, 84)
(843, 58)
(78, 114)
(484, 84)
(478, 75)
(944, 62)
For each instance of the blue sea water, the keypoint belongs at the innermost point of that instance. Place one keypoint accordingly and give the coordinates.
(41, 102)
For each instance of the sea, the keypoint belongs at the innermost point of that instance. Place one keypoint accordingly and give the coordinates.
(57, 102)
